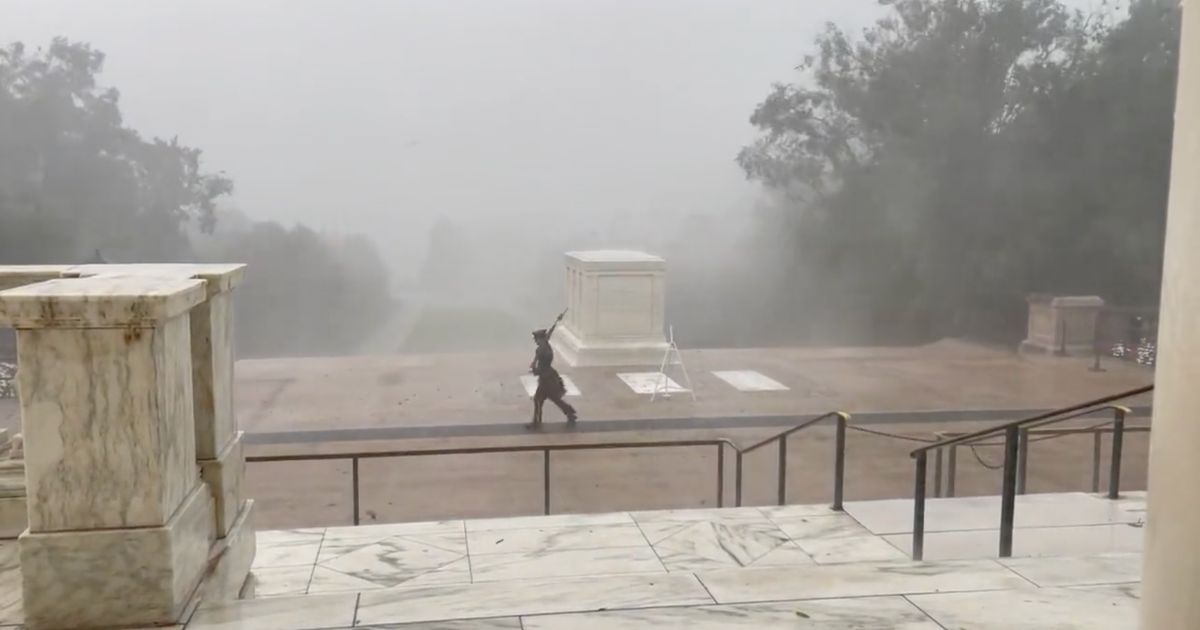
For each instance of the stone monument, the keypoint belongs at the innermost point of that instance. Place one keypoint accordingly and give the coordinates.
(132, 458)
(1062, 325)
(614, 309)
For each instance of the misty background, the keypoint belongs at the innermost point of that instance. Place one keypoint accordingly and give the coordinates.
(406, 176)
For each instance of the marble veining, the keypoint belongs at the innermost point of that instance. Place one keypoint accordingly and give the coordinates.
(12, 611)
(555, 539)
(117, 577)
(564, 563)
(705, 545)
(224, 476)
(731, 586)
(276, 613)
(392, 561)
(851, 549)
(107, 417)
(1031, 609)
(832, 526)
(276, 581)
(868, 613)
(528, 597)
(556, 520)
(1111, 568)
(372, 533)
(99, 302)
(572, 571)
(289, 547)
(211, 326)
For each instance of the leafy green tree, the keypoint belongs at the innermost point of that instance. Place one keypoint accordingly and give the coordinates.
(963, 153)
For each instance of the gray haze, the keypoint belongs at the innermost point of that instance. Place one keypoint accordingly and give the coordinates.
(527, 126)
(381, 116)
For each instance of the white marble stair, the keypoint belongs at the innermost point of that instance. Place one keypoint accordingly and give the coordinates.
(774, 567)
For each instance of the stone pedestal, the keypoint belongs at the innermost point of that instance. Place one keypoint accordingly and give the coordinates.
(218, 444)
(1171, 576)
(120, 526)
(1062, 325)
(615, 309)
(224, 475)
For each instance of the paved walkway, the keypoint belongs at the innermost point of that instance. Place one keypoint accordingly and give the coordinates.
(794, 567)
(407, 391)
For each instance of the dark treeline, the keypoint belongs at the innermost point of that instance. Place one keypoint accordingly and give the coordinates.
(75, 179)
(921, 178)
(933, 170)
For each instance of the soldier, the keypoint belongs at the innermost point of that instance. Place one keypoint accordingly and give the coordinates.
(550, 385)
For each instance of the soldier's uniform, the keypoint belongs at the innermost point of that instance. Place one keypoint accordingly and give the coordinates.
(550, 384)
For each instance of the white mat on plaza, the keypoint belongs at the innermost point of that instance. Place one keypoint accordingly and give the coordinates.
(646, 382)
(750, 381)
(529, 381)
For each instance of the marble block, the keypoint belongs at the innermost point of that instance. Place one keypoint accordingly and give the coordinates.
(218, 277)
(1058, 324)
(212, 343)
(223, 476)
(212, 374)
(100, 302)
(614, 309)
(117, 577)
(12, 276)
(14, 517)
(107, 416)
(231, 558)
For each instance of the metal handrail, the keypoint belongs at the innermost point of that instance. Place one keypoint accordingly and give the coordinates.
(1012, 451)
(720, 443)
(1090, 405)
(839, 462)
(1022, 450)
(951, 467)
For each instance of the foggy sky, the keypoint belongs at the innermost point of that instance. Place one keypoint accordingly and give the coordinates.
(380, 116)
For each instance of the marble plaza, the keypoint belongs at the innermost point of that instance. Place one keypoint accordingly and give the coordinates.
(799, 566)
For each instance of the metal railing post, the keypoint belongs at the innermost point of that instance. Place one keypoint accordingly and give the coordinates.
(1118, 441)
(546, 481)
(1008, 496)
(918, 534)
(951, 470)
(783, 470)
(737, 480)
(720, 475)
(839, 463)
(1022, 459)
(354, 480)
(1096, 443)
(937, 472)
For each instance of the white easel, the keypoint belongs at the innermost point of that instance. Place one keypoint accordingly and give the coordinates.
(661, 384)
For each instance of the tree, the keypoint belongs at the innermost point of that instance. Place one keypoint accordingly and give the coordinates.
(74, 178)
(963, 153)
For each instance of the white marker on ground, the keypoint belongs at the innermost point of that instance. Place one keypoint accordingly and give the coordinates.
(750, 381)
(645, 382)
(529, 381)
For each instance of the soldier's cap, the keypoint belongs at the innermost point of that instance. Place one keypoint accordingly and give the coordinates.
(541, 332)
